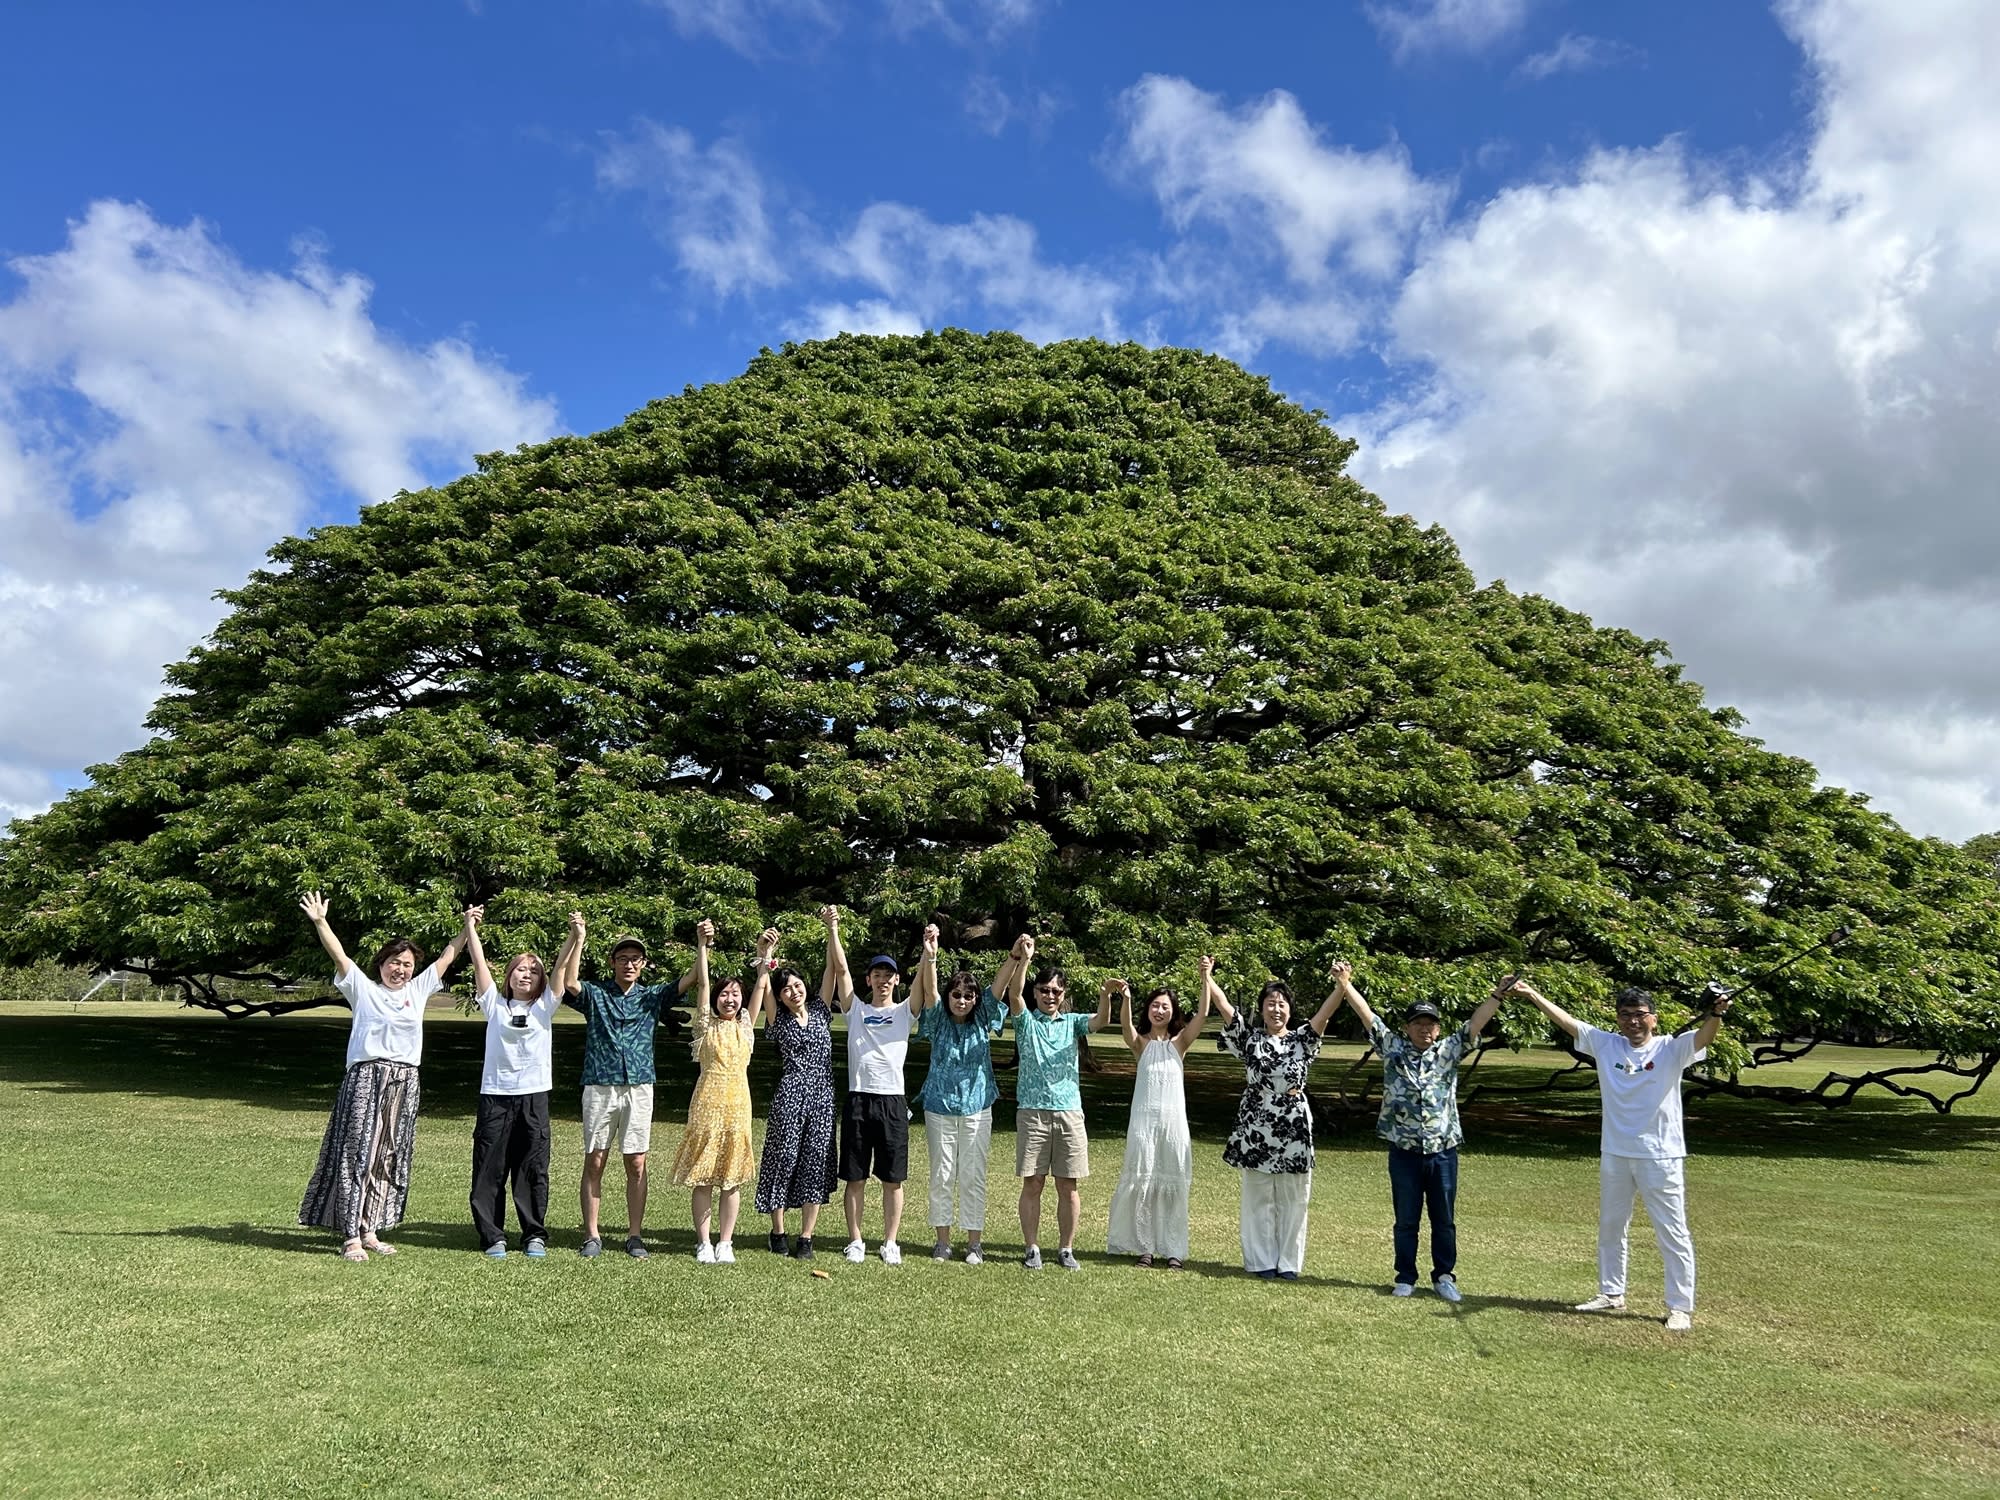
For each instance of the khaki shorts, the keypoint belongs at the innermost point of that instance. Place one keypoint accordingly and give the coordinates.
(1050, 1142)
(620, 1114)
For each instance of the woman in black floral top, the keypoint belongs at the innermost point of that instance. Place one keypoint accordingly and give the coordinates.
(1272, 1144)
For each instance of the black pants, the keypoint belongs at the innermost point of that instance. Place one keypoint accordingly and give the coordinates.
(510, 1139)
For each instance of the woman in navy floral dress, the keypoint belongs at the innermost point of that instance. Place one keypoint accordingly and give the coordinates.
(798, 1167)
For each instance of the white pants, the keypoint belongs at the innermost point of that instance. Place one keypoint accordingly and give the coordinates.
(1274, 1220)
(958, 1146)
(1663, 1185)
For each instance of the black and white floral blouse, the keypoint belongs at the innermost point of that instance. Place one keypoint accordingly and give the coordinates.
(1274, 1123)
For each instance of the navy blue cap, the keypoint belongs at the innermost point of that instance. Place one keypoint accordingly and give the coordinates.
(883, 961)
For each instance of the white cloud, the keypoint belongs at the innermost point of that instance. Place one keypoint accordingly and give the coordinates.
(707, 202)
(166, 414)
(1753, 416)
(1419, 26)
(823, 320)
(1575, 54)
(962, 21)
(991, 109)
(753, 27)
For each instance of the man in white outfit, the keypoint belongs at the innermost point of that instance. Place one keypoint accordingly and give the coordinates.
(1643, 1150)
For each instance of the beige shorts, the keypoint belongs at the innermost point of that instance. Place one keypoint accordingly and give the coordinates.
(1050, 1142)
(620, 1114)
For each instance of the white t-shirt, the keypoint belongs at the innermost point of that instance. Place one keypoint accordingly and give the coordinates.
(520, 1043)
(878, 1039)
(1641, 1091)
(388, 1024)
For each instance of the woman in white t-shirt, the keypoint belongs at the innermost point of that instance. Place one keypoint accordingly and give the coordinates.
(510, 1137)
(363, 1178)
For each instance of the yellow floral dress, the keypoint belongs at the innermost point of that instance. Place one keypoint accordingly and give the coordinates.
(715, 1148)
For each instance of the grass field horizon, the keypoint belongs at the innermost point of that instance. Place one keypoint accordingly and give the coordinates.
(172, 1332)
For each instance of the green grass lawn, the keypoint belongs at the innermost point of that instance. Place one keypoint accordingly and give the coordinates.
(168, 1331)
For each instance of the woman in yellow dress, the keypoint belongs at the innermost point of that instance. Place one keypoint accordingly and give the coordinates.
(715, 1154)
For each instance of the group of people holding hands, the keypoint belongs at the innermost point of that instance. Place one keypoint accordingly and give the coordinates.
(361, 1183)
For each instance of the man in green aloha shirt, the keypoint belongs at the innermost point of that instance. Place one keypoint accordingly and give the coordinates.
(1419, 1120)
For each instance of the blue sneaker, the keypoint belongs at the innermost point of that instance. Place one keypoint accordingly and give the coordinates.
(497, 1250)
(535, 1250)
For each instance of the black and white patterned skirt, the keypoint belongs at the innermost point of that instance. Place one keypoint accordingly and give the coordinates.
(362, 1181)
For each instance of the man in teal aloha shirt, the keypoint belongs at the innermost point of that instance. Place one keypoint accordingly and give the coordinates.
(1419, 1120)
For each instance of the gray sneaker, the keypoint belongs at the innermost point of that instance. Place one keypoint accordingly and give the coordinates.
(1033, 1259)
(591, 1248)
(941, 1252)
(636, 1248)
(1447, 1288)
(1066, 1258)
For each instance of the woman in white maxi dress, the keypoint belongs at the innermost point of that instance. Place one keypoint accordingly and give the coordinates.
(1149, 1209)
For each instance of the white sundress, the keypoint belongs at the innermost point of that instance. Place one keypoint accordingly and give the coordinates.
(1149, 1207)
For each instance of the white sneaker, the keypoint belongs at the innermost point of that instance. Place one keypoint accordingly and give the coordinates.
(892, 1253)
(856, 1252)
(725, 1254)
(1447, 1288)
(704, 1253)
(973, 1256)
(1403, 1289)
(1602, 1302)
(1678, 1321)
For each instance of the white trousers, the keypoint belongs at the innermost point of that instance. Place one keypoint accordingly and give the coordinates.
(1274, 1220)
(1663, 1186)
(958, 1146)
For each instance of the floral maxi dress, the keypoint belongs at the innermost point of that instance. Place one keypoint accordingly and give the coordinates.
(799, 1163)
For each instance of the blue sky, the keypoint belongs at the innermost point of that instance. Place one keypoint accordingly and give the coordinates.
(1683, 314)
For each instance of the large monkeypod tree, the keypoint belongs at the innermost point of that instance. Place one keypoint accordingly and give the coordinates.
(1095, 641)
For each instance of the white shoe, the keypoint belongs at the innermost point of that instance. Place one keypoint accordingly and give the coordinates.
(725, 1253)
(1602, 1302)
(973, 1257)
(1678, 1321)
(1403, 1289)
(1447, 1288)
(892, 1253)
(856, 1252)
(704, 1253)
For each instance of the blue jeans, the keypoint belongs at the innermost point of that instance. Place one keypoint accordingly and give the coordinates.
(1418, 1179)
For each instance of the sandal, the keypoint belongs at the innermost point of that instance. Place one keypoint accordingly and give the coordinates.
(1173, 1263)
(369, 1242)
(352, 1251)
(1146, 1262)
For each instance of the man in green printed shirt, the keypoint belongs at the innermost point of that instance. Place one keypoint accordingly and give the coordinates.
(618, 1084)
(1419, 1120)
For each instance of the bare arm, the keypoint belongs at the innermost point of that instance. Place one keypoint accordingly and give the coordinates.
(767, 947)
(836, 985)
(1553, 1011)
(1101, 1017)
(1023, 953)
(1489, 1007)
(923, 987)
(569, 964)
(1132, 1038)
(482, 977)
(704, 934)
(1192, 1030)
(1213, 991)
(458, 940)
(1322, 1017)
(314, 905)
(1343, 985)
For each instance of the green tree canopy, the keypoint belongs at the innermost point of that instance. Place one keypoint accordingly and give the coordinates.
(1098, 641)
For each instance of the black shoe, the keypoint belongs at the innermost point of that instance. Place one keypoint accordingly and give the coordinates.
(802, 1247)
(781, 1244)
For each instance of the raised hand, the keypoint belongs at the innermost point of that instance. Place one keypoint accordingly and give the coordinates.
(831, 916)
(1342, 972)
(704, 933)
(576, 925)
(314, 905)
(1024, 948)
(1507, 985)
(1205, 967)
(767, 944)
(474, 915)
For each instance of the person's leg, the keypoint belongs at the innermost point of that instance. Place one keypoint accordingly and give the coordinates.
(808, 1220)
(591, 1193)
(892, 1162)
(1616, 1185)
(1441, 1195)
(725, 1227)
(1252, 1226)
(1406, 1196)
(941, 1137)
(635, 1195)
(1663, 1185)
(531, 1180)
(1069, 1206)
(854, 1165)
(489, 1167)
(973, 1149)
(892, 1211)
(1293, 1199)
(854, 1199)
(1031, 1210)
(703, 1197)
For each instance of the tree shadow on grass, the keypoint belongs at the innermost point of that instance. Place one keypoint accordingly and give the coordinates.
(412, 1233)
(295, 1064)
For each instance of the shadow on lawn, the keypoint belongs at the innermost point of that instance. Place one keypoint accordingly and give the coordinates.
(295, 1064)
(414, 1233)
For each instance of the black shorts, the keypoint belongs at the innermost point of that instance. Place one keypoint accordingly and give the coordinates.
(874, 1132)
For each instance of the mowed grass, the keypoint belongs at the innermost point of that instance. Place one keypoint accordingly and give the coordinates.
(168, 1331)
